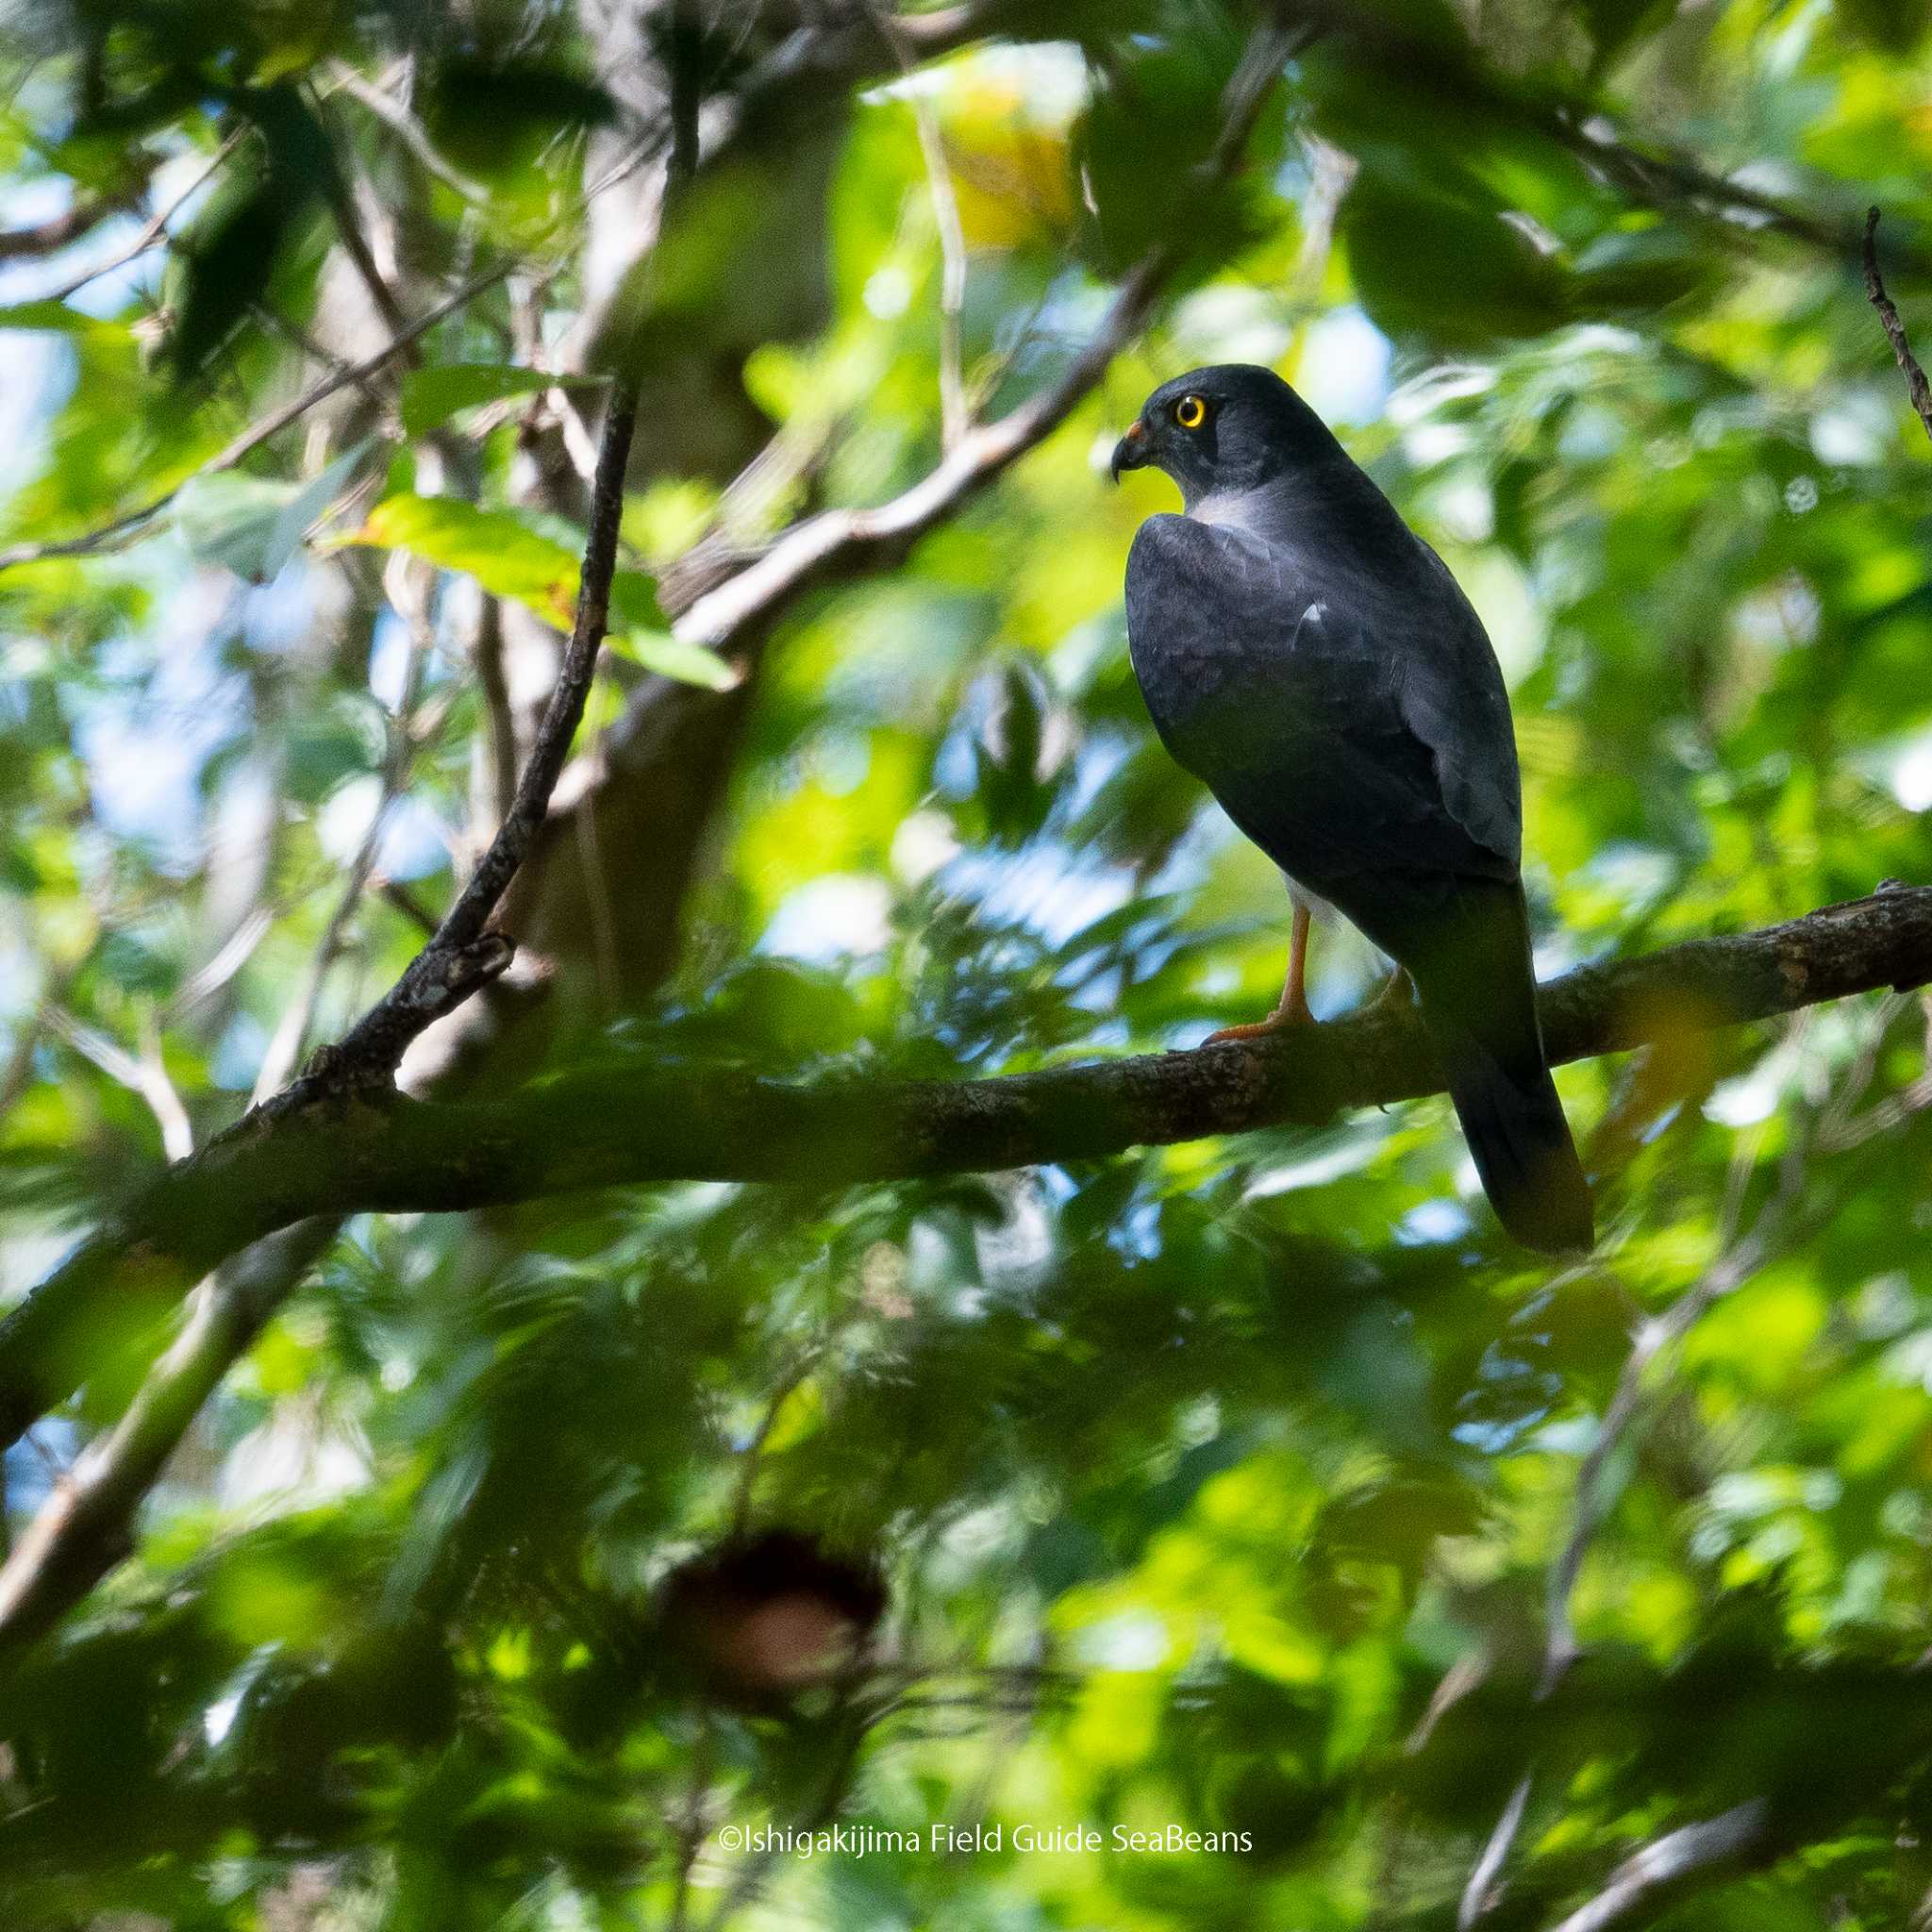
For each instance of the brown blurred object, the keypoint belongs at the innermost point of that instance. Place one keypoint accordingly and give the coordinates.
(763, 1617)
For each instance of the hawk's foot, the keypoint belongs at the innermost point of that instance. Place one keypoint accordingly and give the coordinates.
(1289, 1014)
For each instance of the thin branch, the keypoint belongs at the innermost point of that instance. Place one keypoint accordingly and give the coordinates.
(408, 129)
(1916, 385)
(952, 233)
(83, 1529)
(1689, 1852)
(284, 1050)
(397, 895)
(1669, 181)
(143, 1074)
(1481, 1892)
(462, 956)
(257, 433)
(155, 228)
(486, 656)
(62, 230)
(603, 1126)
(1652, 175)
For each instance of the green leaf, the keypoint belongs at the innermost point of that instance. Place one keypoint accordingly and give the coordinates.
(235, 521)
(53, 315)
(432, 396)
(510, 556)
(224, 266)
(674, 656)
(493, 116)
(252, 524)
(1151, 124)
(634, 601)
(494, 546)
(1451, 273)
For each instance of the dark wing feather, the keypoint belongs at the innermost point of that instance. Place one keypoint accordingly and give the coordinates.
(1352, 723)
(1375, 766)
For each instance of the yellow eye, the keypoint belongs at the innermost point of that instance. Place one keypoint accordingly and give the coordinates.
(1190, 412)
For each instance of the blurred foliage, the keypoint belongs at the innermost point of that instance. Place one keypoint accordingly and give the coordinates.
(1218, 1488)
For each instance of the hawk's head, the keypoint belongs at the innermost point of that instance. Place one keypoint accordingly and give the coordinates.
(1222, 431)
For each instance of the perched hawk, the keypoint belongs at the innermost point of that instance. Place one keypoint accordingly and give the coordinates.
(1310, 659)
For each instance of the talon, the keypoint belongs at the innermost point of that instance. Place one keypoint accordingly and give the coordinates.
(1293, 1009)
(1279, 1020)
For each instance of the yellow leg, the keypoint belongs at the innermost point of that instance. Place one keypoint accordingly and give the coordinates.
(1293, 1009)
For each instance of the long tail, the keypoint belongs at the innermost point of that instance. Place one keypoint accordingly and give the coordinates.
(1479, 1002)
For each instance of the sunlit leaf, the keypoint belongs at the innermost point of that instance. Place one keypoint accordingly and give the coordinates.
(432, 395)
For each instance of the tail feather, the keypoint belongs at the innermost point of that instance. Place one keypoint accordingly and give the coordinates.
(1478, 1000)
(1520, 1143)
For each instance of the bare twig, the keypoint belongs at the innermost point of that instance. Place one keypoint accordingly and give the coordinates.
(155, 228)
(952, 233)
(462, 956)
(284, 1050)
(486, 654)
(141, 1074)
(398, 118)
(1916, 385)
(62, 230)
(1650, 173)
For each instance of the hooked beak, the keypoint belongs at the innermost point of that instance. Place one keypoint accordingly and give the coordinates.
(1130, 452)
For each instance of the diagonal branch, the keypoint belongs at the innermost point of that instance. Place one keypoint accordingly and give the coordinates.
(838, 543)
(62, 230)
(661, 765)
(1666, 1862)
(82, 1531)
(365, 1149)
(1916, 385)
(462, 956)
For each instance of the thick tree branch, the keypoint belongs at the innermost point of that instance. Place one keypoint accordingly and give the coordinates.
(597, 1127)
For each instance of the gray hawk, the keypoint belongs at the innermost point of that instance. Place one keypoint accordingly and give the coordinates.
(1313, 662)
